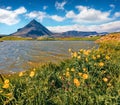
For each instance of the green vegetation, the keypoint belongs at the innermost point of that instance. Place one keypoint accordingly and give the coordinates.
(93, 38)
(70, 38)
(90, 77)
(14, 38)
(51, 38)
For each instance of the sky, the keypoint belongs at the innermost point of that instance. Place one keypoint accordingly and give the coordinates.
(61, 15)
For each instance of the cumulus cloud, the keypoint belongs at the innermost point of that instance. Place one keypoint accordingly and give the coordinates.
(37, 14)
(10, 17)
(41, 15)
(60, 6)
(112, 5)
(57, 18)
(8, 7)
(88, 15)
(45, 7)
(107, 27)
(117, 14)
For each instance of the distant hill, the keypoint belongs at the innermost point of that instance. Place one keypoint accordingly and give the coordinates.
(110, 37)
(79, 33)
(33, 29)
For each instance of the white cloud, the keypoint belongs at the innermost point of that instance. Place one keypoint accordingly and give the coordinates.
(107, 27)
(10, 17)
(88, 15)
(37, 14)
(57, 18)
(45, 7)
(112, 5)
(70, 14)
(117, 14)
(8, 7)
(60, 6)
(41, 15)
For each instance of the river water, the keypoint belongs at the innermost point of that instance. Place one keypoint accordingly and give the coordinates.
(20, 55)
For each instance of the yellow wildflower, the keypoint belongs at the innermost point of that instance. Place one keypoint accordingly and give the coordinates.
(98, 56)
(86, 52)
(81, 50)
(85, 76)
(5, 86)
(75, 54)
(20, 74)
(101, 64)
(79, 57)
(32, 73)
(67, 74)
(72, 69)
(84, 69)
(80, 74)
(94, 57)
(86, 59)
(70, 50)
(76, 82)
(34, 69)
(6, 81)
(107, 57)
(67, 69)
(105, 79)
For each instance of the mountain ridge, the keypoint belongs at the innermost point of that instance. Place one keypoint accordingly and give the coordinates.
(35, 29)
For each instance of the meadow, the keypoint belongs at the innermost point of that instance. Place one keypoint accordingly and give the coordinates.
(89, 77)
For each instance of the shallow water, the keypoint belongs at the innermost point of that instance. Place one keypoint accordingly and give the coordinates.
(19, 55)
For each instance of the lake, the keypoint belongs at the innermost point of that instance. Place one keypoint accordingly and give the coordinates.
(20, 55)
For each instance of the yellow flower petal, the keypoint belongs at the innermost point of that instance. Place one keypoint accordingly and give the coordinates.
(32, 73)
(101, 64)
(67, 74)
(6, 81)
(72, 69)
(85, 76)
(105, 79)
(20, 74)
(76, 82)
(5, 86)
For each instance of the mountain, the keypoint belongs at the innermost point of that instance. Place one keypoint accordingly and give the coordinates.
(33, 29)
(79, 33)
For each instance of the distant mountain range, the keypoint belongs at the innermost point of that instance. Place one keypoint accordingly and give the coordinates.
(35, 29)
(78, 33)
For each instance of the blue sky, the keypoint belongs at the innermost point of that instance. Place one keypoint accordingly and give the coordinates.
(61, 15)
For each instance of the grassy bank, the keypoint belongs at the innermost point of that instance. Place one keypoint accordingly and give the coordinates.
(90, 77)
(51, 38)
(14, 38)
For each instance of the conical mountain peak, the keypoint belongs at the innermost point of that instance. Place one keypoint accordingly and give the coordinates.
(33, 29)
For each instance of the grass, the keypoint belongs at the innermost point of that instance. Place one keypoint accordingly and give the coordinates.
(79, 38)
(90, 77)
(51, 38)
(71, 39)
(13, 38)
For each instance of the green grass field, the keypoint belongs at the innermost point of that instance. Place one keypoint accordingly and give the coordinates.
(90, 77)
